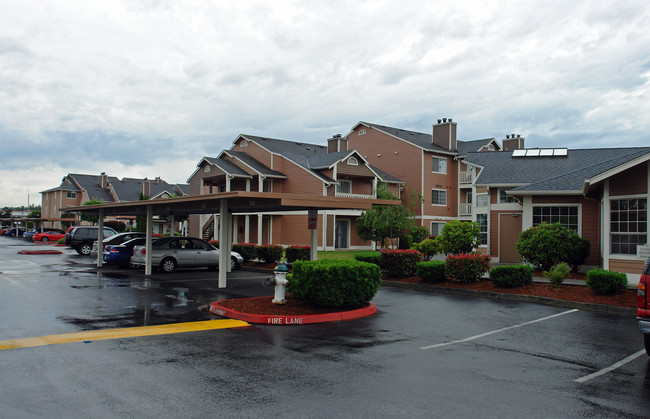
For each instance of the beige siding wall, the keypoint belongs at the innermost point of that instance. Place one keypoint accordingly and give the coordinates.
(626, 266)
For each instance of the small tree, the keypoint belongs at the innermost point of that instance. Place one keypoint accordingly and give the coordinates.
(428, 247)
(459, 237)
(90, 218)
(5, 212)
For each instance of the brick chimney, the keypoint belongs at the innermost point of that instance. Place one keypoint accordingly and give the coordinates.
(103, 180)
(444, 134)
(337, 143)
(146, 187)
(513, 142)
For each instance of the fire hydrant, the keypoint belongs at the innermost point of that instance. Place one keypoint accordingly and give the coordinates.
(280, 282)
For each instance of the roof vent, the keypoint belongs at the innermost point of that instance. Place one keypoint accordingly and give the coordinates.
(439, 120)
(444, 119)
(449, 119)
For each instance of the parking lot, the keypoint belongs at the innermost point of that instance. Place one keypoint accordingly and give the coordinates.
(422, 355)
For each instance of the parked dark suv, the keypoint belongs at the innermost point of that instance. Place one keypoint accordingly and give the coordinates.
(643, 306)
(81, 238)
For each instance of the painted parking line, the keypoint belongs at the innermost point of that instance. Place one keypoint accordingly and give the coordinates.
(611, 367)
(129, 332)
(498, 330)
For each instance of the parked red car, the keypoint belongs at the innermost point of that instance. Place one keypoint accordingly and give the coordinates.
(48, 236)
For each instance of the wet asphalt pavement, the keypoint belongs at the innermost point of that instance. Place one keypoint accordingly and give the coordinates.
(422, 355)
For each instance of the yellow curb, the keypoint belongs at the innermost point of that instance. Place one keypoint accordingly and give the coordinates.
(91, 335)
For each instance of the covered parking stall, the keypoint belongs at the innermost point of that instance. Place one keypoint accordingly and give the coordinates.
(225, 204)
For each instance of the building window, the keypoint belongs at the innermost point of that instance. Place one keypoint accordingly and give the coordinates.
(439, 197)
(628, 225)
(566, 216)
(72, 195)
(482, 200)
(482, 220)
(362, 132)
(436, 228)
(439, 165)
(207, 169)
(352, 162)
(504, 198)
(344, 186)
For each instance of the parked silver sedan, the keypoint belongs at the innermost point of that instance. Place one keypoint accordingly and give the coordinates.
(168, 253)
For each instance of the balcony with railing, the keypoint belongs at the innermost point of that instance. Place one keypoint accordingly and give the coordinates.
(466, 178)
(354, 195)
(464, 210)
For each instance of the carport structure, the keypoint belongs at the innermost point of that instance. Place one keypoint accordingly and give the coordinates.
(225, 204)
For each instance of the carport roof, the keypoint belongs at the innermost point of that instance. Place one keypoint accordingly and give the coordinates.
(238, 202)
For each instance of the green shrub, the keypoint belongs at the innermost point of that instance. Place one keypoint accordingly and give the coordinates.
(400, 263)
(466, 267)
(247, 250)
(428, 247)
(557, 274)
(215, 243)
(60, 241)
(511, 276)
(405, 241)
(334, 283)
(419, 233)
(370, 257)
(431, 270)
(459, 237)
(577, 252)
(546, 245)
(294, 253)
(605, 282)
(270, 253)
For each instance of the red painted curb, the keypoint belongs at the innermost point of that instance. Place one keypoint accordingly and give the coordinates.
(39, 252)
(219, 310)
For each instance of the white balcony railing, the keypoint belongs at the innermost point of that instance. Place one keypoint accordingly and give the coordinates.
(466, 177)
(354, 195)
(464, 210)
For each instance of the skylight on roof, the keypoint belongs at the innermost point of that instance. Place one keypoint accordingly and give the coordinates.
(541, 152)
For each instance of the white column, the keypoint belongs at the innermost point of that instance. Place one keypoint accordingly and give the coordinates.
(324, 231)
(100, 238)
(228, 248)
(527, 216)
(606, 224)
(235, 227)
(172, 221)
(260, 218)
(224, 255)
(149, 228)
(247, 228)
(313, 252)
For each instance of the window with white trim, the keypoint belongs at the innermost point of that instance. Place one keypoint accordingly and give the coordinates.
(72, 195)
(504, 198)
(353, 161)
(439, 165)
(628, 225)
(482, 220)
(482, 200)
(344, 186)
(439, 197)
(566, 216)
(436, 228)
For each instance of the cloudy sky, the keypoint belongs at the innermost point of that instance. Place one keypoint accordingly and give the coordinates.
(147, 88)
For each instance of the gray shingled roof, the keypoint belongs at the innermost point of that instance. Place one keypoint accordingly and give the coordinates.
(90, 183)
(254, 164)
(547, 174)
(283, 146)
(227, 167)
(385, 177)
(425, 141)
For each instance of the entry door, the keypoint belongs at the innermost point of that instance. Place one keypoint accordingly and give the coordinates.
(509, 231)
(342, 234)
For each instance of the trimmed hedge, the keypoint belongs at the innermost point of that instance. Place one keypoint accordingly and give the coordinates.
(431, 270)
(370, 257)
(295, 253)
(334, 283)
(247, 250)
(400, 263)
(511, 276)
(605, 282)
(467, 267)
(270, 253)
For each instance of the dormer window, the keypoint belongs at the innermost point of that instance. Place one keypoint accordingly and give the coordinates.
(243, 143)
(353, 161)
(207, 169)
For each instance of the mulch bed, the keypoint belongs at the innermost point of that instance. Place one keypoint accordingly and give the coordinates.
(579, 293)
